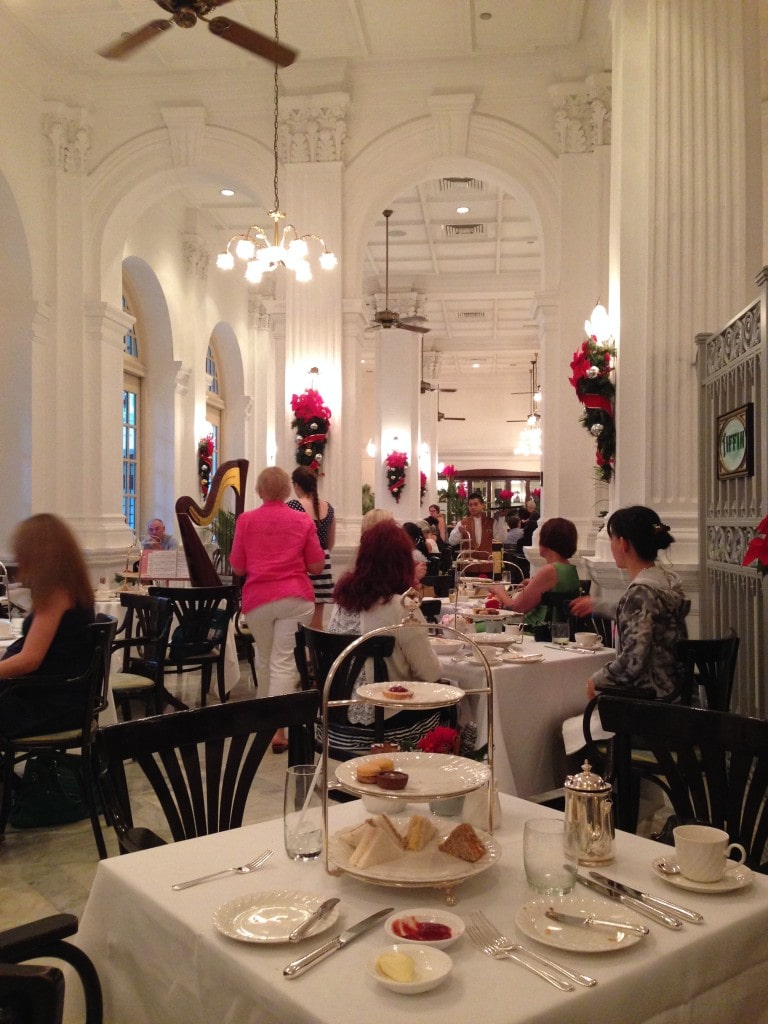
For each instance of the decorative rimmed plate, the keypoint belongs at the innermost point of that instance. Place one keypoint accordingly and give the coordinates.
(501, 616)
(270, 916)
(496, 639)
(425, 915)
(427, 867)
(430, 776)
(425, 695)
(736, 876)
(531, 921)
(431, 967)
(513, 658)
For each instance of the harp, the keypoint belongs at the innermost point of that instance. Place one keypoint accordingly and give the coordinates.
(190, 515)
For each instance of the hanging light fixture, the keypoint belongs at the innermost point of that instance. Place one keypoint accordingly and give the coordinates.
(288, 248)
(529, 442)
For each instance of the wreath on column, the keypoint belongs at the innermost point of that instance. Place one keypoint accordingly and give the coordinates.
(205, 449)
(397, 463)
(311, 421)
(592, 368)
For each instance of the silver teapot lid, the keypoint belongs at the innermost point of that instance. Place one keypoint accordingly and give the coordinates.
(587, 781)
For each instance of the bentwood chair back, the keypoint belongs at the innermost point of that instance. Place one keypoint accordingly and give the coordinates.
(200, 763)
(709, 667)
(93, 685)
(143, 640)
(713, 766)
(35, 994)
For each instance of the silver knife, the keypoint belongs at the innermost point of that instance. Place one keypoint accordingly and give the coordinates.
(688, 915)
(297, 967)
(629, 901)
(317, 915)
(595, 922)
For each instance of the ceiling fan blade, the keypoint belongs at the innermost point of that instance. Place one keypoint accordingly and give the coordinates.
(130, 42)
(411, 327)
(456, 419)
(257, 43)
(448, 391)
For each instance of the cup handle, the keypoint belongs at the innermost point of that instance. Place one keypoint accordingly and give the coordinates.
(740, 848)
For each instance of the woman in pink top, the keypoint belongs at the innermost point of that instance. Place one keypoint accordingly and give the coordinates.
(274, 548)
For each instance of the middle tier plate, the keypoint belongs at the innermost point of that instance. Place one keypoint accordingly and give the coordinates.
(423, 695)
(430, 776)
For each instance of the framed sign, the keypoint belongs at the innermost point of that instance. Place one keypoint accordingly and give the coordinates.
(735, 453)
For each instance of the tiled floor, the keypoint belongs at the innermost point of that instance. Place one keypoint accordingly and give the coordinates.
(49, 870)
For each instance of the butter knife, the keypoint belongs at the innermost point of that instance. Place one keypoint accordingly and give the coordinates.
(317, 915)
(629, 901)
(297, 967)
(688, 915)
(595, 922)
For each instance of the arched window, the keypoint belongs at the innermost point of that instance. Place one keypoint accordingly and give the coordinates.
(214, 402)
(133, 374)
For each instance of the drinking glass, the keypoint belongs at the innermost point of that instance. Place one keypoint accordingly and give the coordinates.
(302, 813)
(560, 632)
(550, 855)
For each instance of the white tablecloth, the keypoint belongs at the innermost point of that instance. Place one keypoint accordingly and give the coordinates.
(161, 961)
(531, 701)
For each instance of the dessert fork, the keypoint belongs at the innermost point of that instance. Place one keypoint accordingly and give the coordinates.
(243, 869)
(501, 944)
(499, 954)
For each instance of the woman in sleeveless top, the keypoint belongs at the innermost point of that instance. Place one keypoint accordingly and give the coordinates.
(321, 512)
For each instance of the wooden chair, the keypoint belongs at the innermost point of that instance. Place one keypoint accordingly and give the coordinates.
(200, 763)
(143, 639)
(710, 668)
(35, 994)
(712, 765)
(93, 684)
(430, 608)
(245, 643)
(441, 585)
(199, 639)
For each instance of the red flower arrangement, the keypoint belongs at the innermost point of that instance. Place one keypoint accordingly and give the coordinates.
(312, 423)
(448, 472)
(461, 491)
(396, 463)
(205, 449)
(592, 367)
(445, 740)
(757, 551)
(422, 485)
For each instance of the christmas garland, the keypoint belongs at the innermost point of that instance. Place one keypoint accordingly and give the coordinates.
(422, 485)
(312, 424)
(591, 367)
(205, 449)
(396, 463)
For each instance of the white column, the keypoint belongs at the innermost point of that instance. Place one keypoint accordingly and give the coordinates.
(398, 373)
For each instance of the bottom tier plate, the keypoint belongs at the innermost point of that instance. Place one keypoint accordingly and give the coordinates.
(428, 867)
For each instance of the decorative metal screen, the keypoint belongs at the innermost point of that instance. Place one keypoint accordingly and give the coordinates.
(731, 367)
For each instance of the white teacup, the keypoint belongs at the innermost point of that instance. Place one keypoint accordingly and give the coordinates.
(6, 629)
(491, 653)
(587, 639)
(702, 852)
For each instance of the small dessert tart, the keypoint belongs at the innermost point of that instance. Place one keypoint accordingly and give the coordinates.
(392, 780)
(397, 692)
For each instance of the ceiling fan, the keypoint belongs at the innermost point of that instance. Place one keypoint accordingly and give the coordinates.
(386, 318)
(186, 14)
(534, 417)
(441, 415)
(425, 386)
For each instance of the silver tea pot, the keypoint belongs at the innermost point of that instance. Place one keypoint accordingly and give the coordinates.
(589, 806)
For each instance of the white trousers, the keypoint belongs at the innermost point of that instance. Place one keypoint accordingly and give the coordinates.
(274, 626)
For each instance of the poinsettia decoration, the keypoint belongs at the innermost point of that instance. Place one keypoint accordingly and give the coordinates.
(311, 421)
(206, 446)
(455, 503)
(592, 367)
(422, 485)
(757, 551)
(396, 463)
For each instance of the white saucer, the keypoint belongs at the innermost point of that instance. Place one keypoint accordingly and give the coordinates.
(736, 876)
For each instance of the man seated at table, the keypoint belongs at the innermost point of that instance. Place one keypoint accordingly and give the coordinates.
(157, 539)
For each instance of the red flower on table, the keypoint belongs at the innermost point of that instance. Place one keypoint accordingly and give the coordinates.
(440, 740)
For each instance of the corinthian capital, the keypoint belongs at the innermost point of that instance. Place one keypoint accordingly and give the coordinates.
(583, 113)
(313, 129)
(66, 130)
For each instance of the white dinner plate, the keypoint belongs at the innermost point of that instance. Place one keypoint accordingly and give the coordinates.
(426, 867)
(425, 695)
(496, 639)
(531, 921)
(430, 776)
(270, 916)
(502, 616)
(736, 876)
(513, 658)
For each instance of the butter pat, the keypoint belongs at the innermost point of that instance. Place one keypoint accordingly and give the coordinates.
(397, 966)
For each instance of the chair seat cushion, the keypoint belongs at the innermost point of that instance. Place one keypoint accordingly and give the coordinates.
(130, 681)
(68, 737)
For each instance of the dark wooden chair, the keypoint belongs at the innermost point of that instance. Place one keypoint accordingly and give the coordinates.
(713, 766)
(199, 639)
(710, 668)
(430, 609)
(94, 685)
(245, 643)
(440, 584)
(35, 994)
(200, 763)
(143, 639)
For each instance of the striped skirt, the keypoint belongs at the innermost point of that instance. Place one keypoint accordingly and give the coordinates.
(323, 582)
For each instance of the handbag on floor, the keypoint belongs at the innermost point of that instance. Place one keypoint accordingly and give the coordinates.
(49, 792)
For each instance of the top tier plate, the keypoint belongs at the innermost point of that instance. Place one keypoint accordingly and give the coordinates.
(425, 695)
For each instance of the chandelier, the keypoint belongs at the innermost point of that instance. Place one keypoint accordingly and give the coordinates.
(287, 248)
(529, 442)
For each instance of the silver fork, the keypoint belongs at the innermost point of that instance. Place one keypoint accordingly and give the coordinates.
(498, 941)
(496, 954)
(243, 869)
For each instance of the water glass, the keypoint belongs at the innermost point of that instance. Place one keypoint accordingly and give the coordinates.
(550, 855)
(302, 813)
(560, 633)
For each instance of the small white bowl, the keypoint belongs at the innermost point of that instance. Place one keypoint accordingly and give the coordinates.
(432, 966)
(442, 645)
(432, 916)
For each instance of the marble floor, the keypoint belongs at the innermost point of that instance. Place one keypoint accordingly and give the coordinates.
(50, 870)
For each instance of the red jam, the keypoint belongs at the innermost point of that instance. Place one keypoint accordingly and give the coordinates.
(420, 931)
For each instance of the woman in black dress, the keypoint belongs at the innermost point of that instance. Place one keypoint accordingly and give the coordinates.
(321, 512)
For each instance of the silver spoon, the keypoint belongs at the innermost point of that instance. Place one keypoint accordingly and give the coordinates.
(666, 868)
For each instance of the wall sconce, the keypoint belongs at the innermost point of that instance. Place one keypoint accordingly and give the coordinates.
(599, 325)
(370, 449)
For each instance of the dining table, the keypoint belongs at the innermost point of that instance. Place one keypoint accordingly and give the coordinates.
(532, 697)
(161, 960)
